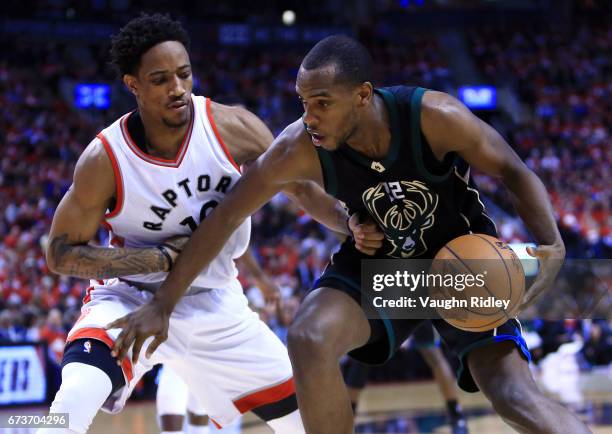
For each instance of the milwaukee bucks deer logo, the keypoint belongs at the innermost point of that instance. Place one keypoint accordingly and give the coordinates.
(404, 210)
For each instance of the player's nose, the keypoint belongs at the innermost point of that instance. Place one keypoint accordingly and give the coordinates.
(310, 120)
(177, 87)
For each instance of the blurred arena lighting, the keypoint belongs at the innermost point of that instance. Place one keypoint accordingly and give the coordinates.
(479, 97)
(406, 3)
(288, 17)
(88, 95)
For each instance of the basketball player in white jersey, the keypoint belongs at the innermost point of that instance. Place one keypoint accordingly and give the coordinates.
(150, 178)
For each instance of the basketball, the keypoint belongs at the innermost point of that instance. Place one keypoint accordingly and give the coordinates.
(484, 282)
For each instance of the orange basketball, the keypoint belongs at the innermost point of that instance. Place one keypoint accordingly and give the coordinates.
(492, 294)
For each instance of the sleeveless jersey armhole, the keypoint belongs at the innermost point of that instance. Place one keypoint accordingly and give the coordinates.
(417, 141)
(118, 178)
(211, 120)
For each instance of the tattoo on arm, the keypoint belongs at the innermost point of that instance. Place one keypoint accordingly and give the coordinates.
(102, 262)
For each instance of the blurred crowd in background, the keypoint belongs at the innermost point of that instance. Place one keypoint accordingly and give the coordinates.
(561, 77)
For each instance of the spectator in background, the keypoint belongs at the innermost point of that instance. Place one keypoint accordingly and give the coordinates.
(54, 334)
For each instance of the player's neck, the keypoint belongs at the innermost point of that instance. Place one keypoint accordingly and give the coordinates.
(372, 136)
(161, 140)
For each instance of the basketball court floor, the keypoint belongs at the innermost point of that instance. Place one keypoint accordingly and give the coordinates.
(406, 408)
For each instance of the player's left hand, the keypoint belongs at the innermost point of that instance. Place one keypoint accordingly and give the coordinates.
(151, 319)
(367, 235)
(550, 258)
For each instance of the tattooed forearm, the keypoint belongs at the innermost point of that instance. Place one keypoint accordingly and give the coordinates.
(101, 262)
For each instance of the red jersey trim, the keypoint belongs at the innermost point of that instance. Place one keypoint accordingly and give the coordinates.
(156, 160)
(86, 300)
(265, 396)
(118, 177)
(218, 136)
(101, 335)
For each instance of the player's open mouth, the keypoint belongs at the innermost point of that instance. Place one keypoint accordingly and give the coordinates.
(317, 138)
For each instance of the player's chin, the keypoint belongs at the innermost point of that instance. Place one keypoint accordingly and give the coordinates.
(329, 144)
(176, 120)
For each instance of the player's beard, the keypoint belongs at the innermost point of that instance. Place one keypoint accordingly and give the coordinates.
(175, 123)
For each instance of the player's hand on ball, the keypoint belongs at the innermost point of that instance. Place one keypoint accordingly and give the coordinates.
(550, 258)
(367, 235)
(151, 319)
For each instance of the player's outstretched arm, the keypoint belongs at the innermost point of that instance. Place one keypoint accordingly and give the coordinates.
(78, 217)
(484, 148)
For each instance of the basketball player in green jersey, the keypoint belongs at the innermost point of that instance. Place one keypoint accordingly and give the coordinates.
(401, 155)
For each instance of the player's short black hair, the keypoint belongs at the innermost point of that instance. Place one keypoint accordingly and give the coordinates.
(352, 60)
(139, 35)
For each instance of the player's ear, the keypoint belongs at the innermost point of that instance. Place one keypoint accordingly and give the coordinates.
(365, 93)
(131, 83)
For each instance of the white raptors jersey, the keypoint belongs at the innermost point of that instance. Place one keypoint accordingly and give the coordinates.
(159, 198)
